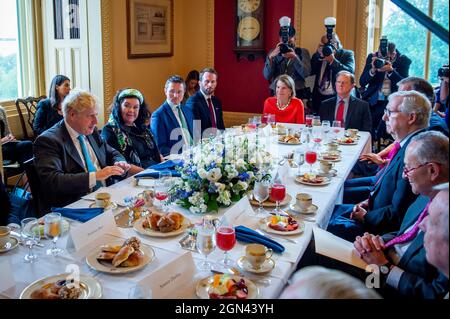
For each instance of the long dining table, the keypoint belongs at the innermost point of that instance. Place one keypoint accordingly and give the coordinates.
(168, 249)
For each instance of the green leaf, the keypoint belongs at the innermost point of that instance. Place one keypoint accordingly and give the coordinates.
(213, 206)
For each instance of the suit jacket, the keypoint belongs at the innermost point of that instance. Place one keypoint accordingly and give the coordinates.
(198, 106)
(60, 167)
(163, 122)
(46, 116)
(391, 197)
(420, 279)
(344, 61)
(372, 84)
(358, 113)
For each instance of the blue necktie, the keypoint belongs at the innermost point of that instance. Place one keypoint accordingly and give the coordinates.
(87, 159)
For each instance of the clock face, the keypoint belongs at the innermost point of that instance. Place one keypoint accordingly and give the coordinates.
(249, 6)
(249, 29)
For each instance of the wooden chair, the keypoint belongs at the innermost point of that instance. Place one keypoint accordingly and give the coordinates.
(30, 105)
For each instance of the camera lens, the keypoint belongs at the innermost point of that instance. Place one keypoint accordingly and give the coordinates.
(378, 63)
(327, 50)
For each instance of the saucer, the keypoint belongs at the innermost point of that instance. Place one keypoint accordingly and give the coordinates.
(10, 245)
(331, 173)
(311, 209)
(111, 205)
(266, 267)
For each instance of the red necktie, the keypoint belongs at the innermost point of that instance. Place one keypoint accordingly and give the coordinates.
(340, 112)
(411, 234)
(211, 113)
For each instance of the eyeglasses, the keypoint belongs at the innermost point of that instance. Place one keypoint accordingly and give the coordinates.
(389, 112)
(407, 171)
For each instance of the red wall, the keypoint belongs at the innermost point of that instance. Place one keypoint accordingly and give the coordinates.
(241, 85)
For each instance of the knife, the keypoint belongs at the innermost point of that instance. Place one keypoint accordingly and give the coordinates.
(20, 237)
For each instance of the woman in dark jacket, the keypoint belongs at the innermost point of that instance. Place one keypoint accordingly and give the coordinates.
(126, 130)
(49, 110)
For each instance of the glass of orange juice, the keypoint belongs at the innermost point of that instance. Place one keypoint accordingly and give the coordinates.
(53, 230)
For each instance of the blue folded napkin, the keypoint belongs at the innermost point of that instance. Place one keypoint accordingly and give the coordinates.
(155, 174)
(248, 235)
(80, 214)
(165, 165)
(153, 171)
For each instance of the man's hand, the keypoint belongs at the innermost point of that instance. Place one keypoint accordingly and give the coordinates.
(329, 59)
(8, 138)
(372, 158)
(107, 172)
(370, 249)
(290, 55)
(387, 67)
(275, 52)
(123, 165)
(358, 213)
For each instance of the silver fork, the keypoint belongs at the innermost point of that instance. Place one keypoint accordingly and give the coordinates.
(273, 238)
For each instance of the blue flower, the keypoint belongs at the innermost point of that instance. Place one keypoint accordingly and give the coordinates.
(244, 176)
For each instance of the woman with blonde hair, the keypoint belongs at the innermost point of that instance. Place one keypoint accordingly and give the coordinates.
(286, 107)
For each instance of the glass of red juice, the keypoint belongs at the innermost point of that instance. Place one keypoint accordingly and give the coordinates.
(310, 158)
(277, 194)
(225, 240)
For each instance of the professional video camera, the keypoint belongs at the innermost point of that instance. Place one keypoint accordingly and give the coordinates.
(329, 48)
(379, 62)
(443, 71)
(286, 32)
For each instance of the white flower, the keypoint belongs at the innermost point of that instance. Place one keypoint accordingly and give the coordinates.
(242, 185)
(202, 173)
(224, 198)
(220, 187)
(231, 171)
(214, 175)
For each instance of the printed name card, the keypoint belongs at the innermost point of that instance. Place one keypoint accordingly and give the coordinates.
(88, 232)
(170, 277)
(232, 215)
(6, 276)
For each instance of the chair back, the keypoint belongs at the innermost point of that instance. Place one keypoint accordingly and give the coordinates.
(34, 186)
(26, 121)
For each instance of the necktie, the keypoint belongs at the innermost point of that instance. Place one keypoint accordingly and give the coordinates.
(211, 113)
(184, 125)
(340, 112)
(87, 159)
(412, 233)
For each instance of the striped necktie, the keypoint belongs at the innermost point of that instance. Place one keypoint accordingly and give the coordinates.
(87, 159)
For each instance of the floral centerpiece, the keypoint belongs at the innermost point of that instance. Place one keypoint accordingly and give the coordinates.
(219, 171)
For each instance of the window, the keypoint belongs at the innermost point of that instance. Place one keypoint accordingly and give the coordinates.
(427, 52)
(9, 51)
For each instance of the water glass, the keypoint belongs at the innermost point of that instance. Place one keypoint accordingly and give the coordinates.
(261, 194)
(53, 230)
(31, 234)
(316, 121)
(309, 119)
(206, 243)
(299, 159)
(162, 188)
(326, 128)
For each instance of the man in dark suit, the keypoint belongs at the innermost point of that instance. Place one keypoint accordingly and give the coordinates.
(171, 123)
(325, 69)
(351, 111)
(379, 83)
(406, 115)
(71, 158)
(207, 108)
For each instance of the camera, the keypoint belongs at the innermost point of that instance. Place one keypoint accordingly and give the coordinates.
(329, 48)
(286, 32)
(443, 71)
(381, 61)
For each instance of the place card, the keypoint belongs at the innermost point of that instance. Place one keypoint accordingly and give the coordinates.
(6, 276)
(88, 232)
(170, 277)
(238, 209)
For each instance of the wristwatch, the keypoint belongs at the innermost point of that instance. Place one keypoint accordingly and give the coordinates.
(384, 272)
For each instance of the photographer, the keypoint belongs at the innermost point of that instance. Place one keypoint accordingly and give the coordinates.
(327, 62)
(441, 102)
(383, 70)
(287, 59)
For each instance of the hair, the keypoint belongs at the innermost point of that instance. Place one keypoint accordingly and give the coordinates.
(417, 103)
(322, 283)
(349, 74)
(336, 40)
(175, 79)
(419, 85)
(52, 94)
(192, 75)
(78, 101)
(391, 47)
(116, 111)
(208, 70)
(431, 146)
(287, 80)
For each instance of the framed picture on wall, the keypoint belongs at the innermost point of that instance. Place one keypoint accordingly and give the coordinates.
(149, 28)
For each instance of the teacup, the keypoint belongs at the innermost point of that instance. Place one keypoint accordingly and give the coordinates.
(326, 166)
(4, 235)
(333, 146)
(102, 200)
(352, 132)
(304, 201)
(257, 254)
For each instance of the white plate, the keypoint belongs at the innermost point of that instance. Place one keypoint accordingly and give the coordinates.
(264, 225)
(266, 267)
(106, 266)
(311, 209)
(287, 143)
(111, 205)
(340, 142)
(64, 223)
(90, 287)
(10, 245)
(326, 181)
(334, 160)
(204, 284)
(154, 233)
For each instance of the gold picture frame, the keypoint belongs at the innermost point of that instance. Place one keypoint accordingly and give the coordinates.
(150, 29)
